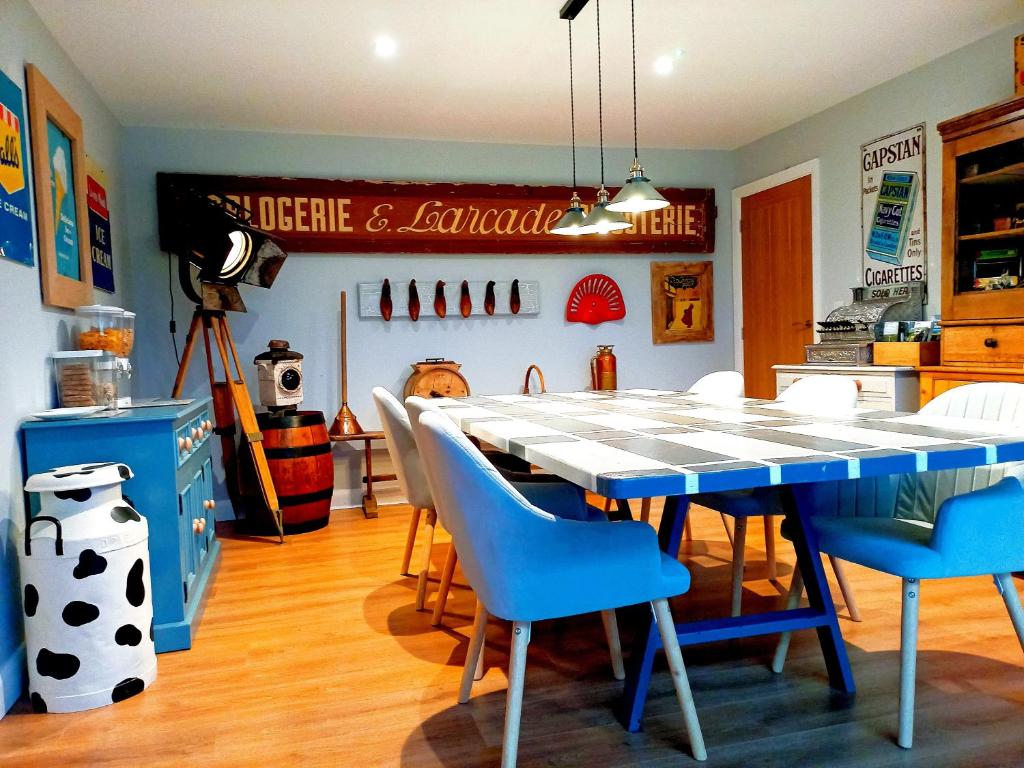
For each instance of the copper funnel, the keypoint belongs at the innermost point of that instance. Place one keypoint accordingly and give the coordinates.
(345, 423)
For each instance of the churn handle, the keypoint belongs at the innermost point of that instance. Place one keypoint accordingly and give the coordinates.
(540, 375)
(58, 543)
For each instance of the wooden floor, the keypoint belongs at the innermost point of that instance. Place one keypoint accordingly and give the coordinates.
(312, 654)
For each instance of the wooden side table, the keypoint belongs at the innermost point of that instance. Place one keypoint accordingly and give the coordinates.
(369, 500)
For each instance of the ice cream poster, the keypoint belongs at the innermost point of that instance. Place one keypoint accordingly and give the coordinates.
(15, 214)
(895, 247)
(99, 227)
(65, 211)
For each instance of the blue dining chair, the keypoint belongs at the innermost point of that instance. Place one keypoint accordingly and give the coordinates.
(934, 525)
(811, 394)
(526, 565)
(548, 492)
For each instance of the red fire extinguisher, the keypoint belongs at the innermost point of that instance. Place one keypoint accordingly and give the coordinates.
(602, 368)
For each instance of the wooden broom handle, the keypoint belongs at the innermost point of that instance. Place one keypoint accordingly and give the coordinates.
(344, 351)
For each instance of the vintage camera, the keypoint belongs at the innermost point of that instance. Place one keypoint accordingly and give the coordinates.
(279, 370)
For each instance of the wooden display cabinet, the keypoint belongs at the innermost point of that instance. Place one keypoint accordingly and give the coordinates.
(982, 249)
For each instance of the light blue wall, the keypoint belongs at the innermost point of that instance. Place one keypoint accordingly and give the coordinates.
(303, 305)
(32, 332)
(966, 79)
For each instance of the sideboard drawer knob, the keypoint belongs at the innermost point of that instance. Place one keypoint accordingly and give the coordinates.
(181, 443)
(991, 342)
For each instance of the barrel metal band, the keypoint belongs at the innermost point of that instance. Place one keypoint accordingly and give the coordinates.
(298, 451)
(299, 499)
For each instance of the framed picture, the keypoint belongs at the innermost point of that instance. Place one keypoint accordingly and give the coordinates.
(682, 301)
(58, 163)
(99, 227)
(15, 206)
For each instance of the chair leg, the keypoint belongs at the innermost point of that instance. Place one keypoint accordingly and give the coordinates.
(769, 546)
(670, 641)
(728, 530)
(844, 587)
(474, 652)
(446, 583)
(607, 506)
(908, 660)
(796, 590)
(611, 632)
(410, 540)
(514, 700)
(687, 529)
(738, 553)
(1006, 587)
(645, 511)
(421, 585)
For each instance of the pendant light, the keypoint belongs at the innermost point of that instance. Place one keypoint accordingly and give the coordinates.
(601, 220)
(638, 194)
(572, 220)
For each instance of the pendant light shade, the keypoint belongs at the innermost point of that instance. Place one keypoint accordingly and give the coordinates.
(571, 222)
(601, 220)
(638, 194)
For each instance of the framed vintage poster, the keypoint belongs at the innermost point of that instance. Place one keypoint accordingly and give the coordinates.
(15, 217)
(58, 163)
(682, 301)
(895, 249)
(99, 227)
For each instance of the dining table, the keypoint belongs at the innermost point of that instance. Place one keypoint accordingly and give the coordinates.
(643, 443)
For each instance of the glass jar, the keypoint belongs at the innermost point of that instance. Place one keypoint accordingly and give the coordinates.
(100, 327)
(85, 378)
(129, 334)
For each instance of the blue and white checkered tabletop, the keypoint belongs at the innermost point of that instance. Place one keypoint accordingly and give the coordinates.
(643, 442)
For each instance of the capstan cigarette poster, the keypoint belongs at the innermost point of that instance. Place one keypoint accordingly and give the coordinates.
(895, 247)
(15, 216)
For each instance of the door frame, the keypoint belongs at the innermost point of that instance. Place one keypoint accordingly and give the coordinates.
(809, 168)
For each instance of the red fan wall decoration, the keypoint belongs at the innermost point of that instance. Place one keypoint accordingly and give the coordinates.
(595, 299)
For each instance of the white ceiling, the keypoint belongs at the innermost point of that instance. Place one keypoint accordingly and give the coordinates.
(496, 70)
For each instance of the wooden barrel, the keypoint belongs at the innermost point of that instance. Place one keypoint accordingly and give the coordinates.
(299, 454)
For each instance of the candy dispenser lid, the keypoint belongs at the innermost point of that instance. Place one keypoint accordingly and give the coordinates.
(98, 309)
(76, 476)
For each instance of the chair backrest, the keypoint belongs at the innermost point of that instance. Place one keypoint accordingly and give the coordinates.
(920, 496)
(723, 384)
(491, 523)
(820, 393)
(402, 447)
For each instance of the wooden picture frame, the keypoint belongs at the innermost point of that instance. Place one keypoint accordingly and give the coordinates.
(62, 217)
(682, 301)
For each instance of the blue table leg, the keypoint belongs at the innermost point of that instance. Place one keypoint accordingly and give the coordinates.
(797, 503)
(647, 640)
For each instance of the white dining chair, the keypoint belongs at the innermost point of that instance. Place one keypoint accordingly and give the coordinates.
(817, 393)
(944, 524)
(411, 479)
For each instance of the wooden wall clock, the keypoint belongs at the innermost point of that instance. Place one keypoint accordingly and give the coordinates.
(436, 377)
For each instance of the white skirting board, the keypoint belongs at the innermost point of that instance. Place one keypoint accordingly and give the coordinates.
(369, 298)
(12, 678)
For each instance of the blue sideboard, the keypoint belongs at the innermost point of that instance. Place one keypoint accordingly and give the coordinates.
(168, 449)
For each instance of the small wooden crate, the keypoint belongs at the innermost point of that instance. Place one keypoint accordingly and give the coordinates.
(906, 353)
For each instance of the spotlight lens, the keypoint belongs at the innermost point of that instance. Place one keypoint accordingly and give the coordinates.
(663, 65)
(238, 256)
(385, 47)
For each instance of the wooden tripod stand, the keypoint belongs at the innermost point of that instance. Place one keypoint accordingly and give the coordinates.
(229, 396)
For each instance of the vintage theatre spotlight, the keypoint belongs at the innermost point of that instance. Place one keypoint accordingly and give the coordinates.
(214, 236)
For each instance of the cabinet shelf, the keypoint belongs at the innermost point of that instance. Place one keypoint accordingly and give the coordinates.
(1010, 174)
(999, 234)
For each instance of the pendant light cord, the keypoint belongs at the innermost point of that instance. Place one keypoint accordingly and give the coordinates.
(572, 109)
(632, 32)
(600, 105)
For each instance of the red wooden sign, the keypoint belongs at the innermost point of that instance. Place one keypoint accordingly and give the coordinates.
(337, 216)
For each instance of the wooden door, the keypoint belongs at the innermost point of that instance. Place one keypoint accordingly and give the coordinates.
(778, 308)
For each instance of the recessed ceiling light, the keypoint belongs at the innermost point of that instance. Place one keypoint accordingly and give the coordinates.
(663, 65)
(385, 46)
